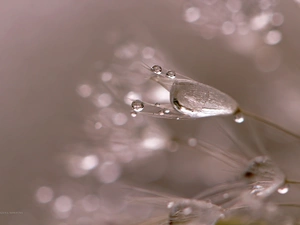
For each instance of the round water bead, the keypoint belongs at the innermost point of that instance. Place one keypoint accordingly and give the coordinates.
(239, 117)
(199, 100)
(137, 106)
(171, 74)
(194, 212)
(133, 114)
(156, 69)
(284, 189)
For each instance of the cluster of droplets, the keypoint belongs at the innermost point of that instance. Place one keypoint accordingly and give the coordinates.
(189, 99)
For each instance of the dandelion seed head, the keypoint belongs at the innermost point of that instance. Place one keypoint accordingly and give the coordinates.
(194, 212)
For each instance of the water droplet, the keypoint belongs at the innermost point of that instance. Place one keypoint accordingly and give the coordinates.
(198, 100)
(239, 117)
(133, 114)
(161, 112)
(156, 69)
(171, 74)
(283, 190)
(157, 104)
(137, 106)
(166, 111)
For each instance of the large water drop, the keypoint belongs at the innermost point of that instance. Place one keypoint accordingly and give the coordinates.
(199, 100)
(137, 106)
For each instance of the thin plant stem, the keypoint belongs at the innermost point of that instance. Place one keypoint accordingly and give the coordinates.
(256, 117)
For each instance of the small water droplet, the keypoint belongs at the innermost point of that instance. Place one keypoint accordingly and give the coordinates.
(137, 106)
(283, 190)
(161, 113)
(157, 104)
(156, 69)
(177, 118)
(133, 114)
(239, 117)
(171, 74)
(166, 111)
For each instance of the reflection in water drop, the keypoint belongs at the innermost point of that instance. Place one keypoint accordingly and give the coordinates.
(44, 194)
(137, 106)
(239, 117)
(156, 69)
(192, 14)
(171, 74)
(283, 190)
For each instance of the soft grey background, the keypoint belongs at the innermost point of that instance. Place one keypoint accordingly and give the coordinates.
(48, 48)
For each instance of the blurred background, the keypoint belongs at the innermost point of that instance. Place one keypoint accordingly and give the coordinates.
(69, 69)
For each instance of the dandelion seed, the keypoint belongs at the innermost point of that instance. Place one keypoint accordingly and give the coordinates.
(182, 210)
(190, 99)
